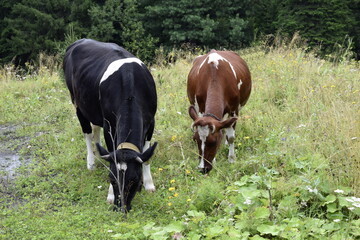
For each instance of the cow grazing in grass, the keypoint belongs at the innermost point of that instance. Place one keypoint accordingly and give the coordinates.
(112, 89)
(219, 84)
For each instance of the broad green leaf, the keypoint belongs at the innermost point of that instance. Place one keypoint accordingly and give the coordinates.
(196, 216)
(214, 231)
(160, 235)
(343, 202)
(240, 225)
(148, 229)
(193, 236)
(331, 208)
(174, 227)
(261, 212)
(257, 237)
(335, 215)
(268, 229)
(243, 181)
(329, 199)
(249, 192)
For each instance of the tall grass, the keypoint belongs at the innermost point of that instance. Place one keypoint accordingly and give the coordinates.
(313, 106)
(297, 141)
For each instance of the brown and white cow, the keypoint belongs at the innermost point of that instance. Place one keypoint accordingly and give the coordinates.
(219, 84)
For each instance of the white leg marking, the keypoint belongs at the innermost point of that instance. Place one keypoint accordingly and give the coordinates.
(230, 134)
(90, 153)
(110, 198)
(201, 165)
(147, 178)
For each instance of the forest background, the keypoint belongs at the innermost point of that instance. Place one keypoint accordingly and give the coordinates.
(145, 27)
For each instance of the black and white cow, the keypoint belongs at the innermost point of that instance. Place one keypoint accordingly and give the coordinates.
(113, 89)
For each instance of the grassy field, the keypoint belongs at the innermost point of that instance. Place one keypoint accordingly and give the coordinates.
(297, 175)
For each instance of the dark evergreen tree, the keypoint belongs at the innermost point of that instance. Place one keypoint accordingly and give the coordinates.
(120, 23)
(32, 26)
(133, 35)
(79, 18)
(322, 22)
(213, 23)
(262, 14)
(355, 30)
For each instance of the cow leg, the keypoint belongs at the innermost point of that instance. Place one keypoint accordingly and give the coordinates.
(87, 130)
(230, 137)
(96, 137)
(111, 197)
(147, 178)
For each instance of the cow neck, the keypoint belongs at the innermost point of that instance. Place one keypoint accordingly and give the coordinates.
(129, 127)
(214, 105)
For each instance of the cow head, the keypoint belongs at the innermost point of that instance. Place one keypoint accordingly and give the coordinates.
(126, 173)
(208, 135)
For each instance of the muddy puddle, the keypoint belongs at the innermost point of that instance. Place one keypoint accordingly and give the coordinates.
(10, 159)
(9, 162)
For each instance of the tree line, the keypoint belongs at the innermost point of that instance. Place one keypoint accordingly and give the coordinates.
(29, 27)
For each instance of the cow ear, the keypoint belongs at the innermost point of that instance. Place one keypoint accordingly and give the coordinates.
(103, 152)
(228, 122)
(145, 156)
(192, 112)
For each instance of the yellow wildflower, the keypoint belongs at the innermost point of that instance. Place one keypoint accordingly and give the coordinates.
(176, 194)
(187, 171)
(169, 204)
(172, 181)
(188, 200)
(172, 189)
(173, 138)
(160, 169)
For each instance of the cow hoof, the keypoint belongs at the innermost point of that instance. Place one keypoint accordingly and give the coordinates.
(110, 198)
(150, 188)
(91, 167)
(231, 159)
(205, 171)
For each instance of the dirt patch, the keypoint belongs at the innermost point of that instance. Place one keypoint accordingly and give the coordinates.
(10, 159)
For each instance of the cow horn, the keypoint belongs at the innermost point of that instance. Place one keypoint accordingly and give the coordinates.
(106, 157)
(138, 159)
(193, 128)
(212, 127)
